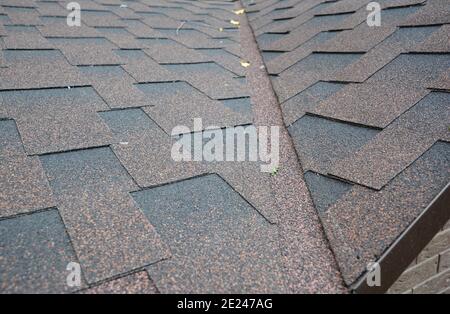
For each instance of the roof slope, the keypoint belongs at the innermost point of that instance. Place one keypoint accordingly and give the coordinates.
(86, 115)
(368, 109)
(87, 176)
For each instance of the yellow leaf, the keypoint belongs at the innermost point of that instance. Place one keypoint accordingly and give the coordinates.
(221, 29)
(245, 64)
(235, 22)
(239, 12)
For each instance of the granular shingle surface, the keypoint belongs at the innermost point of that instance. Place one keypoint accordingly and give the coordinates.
(35, 250)
(51, 120)
(366, 108)
(91, 116)
(218, 242)
(27, 188)
(108, 230)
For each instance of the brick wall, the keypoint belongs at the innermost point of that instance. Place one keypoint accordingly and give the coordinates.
(430, 272)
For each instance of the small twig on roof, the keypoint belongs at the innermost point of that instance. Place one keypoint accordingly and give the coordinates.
(179, 27)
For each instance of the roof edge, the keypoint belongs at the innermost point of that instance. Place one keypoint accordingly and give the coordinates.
(409, 244)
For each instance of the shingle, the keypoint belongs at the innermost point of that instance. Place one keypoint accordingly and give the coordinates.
(109, 3)
(194, 39)
(214, 250)
(307, 100)
(443, 82)
(141, 30)
(3, 16)
(25, 37)
(255, 186)
(130, 55)
(439, 41)
(270, 55)
(266, 39)
(179, 103)
(218, 32)
(161, 21)
(128, 122)
(344, 6)
(403, 40)
(120, 37)
(35, 251)
(375, 104)
(245, 177)
(309, 71)
(24, 187)
(218, 22)
(145, 70)
(3, 112)
(54, 120)
(90, 5)
(413, 69)
(23, 16)
(101, 19)
(321, 62)
(225, 59)
(86, 168)
(241, 105)
(360, 39)
(388, 93)
(364, 223)
(325, 191)
(410, 36)
(109, 232)
(270, 9)
(287, 59)
(124, 13)
(57, 27)
(397, 146)
(351, 20)
(290, 24)
(138, 7)
(169, 51)
(301, 7)
(51, 9)
(10, 141)
(176, 13)
(207, 77)
(233, 49)
(401, 3)
(307, 31)
(115, 86)
(87, 51)
(19, 3)
(320, 142)
(146, 150)
(2, 28)
(273, 17)
(432, 13)
(38, 69)
(393, 10)
(256, 7)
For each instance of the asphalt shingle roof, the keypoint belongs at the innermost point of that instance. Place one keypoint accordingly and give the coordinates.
(395, 89)
(86, 115)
